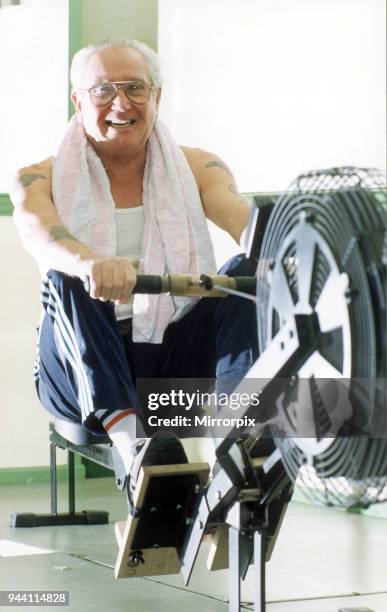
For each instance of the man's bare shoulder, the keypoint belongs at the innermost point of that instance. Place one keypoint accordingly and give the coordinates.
(42, 169)
(36, 177)
(199, 156)
(32, 181)
(200, 161)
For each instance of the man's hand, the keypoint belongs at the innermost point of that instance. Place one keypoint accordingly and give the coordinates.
(111, 278)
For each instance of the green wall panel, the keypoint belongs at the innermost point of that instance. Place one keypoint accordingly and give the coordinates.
(6, 207)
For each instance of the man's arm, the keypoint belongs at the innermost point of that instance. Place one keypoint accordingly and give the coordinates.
(222, 202)
(47, 239)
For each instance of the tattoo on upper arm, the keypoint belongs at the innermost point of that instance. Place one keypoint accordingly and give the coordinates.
(58, 232)
(27, 179)
(219, 164)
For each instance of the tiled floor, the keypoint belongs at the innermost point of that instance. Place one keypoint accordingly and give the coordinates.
(324, 561)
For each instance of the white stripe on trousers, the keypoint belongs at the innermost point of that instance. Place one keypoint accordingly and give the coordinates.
(68, 346)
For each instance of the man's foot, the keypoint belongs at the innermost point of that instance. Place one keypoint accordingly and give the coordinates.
(162, 449)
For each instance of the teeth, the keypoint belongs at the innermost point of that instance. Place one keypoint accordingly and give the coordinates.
(120, 123)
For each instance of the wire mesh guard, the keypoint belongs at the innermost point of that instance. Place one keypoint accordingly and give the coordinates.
(324, 252)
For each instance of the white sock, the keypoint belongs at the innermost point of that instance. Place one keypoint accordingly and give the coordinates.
(121, 428)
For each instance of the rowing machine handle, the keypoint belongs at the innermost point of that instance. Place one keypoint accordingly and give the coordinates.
(191, 285)
(145, 283)
(148, 283)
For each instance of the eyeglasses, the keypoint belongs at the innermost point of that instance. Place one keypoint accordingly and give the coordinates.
(103, 94)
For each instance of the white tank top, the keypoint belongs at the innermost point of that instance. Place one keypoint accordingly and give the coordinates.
(130, 228)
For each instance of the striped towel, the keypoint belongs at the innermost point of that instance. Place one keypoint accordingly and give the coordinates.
(176, 239)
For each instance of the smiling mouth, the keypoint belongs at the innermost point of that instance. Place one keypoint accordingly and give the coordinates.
(119, 124)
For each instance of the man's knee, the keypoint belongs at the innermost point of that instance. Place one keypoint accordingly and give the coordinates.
(60, 279)
(238, 265)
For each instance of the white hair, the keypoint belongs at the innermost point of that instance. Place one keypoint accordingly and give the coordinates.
(82, 56)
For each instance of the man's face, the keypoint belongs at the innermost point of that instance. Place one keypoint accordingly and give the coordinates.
(99, 122)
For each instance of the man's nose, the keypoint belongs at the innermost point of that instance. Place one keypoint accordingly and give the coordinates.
(121, 100)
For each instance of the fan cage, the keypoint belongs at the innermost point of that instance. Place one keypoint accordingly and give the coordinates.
(353, 472)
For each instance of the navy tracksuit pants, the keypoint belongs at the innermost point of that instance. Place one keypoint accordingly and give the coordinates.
(87, 361)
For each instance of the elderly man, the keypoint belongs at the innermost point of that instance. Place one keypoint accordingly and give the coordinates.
(119, 194)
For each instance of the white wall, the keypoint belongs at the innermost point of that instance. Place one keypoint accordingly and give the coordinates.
(276, 87)
(33, 116)
(34, 83)
(24, 424)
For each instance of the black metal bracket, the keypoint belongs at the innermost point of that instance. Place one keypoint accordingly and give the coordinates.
(103, 454)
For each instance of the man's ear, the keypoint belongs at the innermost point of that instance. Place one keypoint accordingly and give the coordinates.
(158, 97)
(76, 101)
